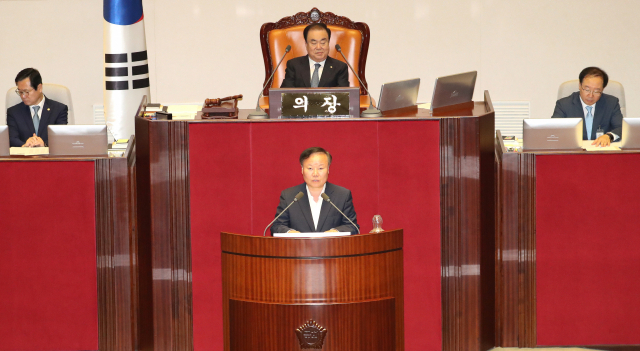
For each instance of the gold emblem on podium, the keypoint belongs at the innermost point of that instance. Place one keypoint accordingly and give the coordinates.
(311, 335)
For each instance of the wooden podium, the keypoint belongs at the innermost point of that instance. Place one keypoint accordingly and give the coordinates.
(344, 293)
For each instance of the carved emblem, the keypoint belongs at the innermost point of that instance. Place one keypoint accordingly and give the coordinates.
(315, 15)
(311, 335)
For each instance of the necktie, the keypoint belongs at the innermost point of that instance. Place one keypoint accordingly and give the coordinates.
(589, 121)
(36, 119)
(315, 79)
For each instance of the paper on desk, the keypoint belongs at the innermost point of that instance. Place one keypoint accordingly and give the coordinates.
(182, 112)
(311, 235)
(28, 151)
(586, 144)
(425, 106)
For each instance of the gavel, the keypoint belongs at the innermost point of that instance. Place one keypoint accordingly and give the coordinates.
(217, 102)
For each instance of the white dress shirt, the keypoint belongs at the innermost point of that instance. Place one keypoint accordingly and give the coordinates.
(593, 113)
(41, 104)
(315, 206)
(312, 67)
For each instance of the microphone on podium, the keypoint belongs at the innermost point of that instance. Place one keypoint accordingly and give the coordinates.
(326, 198)
(298, 197)
(259, 113)
(372, 111)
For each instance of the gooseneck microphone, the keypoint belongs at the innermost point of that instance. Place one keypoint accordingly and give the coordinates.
(326, 198)
(298, 197)
(372, 111)
(259, 113)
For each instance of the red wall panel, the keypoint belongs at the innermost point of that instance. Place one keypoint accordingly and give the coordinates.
(587, 249)
(237, 171)
(48, 299)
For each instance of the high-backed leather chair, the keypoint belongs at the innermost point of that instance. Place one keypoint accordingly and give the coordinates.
(353, 38)
(56, 92)
(613, 88)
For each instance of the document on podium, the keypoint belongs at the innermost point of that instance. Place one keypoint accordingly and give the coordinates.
(586, 144)
(28, 151)
(311, 235)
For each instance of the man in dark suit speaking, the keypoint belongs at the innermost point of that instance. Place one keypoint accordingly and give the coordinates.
(316, 69)
(28, 120)
(311, 213)
(597, 109)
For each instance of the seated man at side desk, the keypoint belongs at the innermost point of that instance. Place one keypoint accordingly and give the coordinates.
(597, 109)
(311, 213)
(316, 69)
(28, 120)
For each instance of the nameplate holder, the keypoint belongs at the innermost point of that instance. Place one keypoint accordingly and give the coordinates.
(314, 103)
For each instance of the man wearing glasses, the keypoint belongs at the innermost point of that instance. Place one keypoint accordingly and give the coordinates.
(316, 69)
(597, 109)
(28, 120)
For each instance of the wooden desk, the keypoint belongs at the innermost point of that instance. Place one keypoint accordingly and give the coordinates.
(567, 249)
(432, 176)
(351, 286)
(69, 248)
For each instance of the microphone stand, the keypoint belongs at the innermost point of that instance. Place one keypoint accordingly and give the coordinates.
(259, 113)
(372, 111)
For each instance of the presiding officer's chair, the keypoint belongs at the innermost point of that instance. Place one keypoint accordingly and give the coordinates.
(353, 38)
(613, 88)
(56, 92)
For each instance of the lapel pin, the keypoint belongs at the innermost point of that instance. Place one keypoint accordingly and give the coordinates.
(48, 109)
(330, 66)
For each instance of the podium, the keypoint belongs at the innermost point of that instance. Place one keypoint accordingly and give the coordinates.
(351, 287)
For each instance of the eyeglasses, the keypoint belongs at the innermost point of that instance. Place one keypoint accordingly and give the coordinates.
(588, 91)
(26, 92)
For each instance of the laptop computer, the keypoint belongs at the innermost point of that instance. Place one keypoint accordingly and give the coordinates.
(552, 134)
(4, 141)
(78, 140)
(399, 94)
(454, 89)
(630, 134)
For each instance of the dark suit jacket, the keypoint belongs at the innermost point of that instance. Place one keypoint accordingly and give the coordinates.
(21, 124)
(299, 217)
(608, 115)
(298, 74)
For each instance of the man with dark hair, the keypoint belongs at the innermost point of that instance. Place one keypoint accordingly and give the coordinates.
(316, 69)
(28, 120)
(311, 213)
(597, 109)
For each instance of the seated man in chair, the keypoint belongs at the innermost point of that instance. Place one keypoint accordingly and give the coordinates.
(28, 120)
(316, 69)
(597, 109)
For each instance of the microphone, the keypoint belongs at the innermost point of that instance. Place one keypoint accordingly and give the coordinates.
(372, 111)
(298, 197)
(326, 198)
(259, 113)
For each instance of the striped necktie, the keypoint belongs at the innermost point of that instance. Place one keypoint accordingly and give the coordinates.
(589, 121)
(36, 119)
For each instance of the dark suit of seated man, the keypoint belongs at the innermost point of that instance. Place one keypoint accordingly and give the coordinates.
(34, 110)
(316, 69)
(311, 213)
(597, 109)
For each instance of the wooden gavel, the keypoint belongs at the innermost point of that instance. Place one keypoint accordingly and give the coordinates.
(217, 102)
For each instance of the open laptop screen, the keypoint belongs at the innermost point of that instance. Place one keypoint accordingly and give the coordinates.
(552, 134)
(454, 89)
(400, 94)
(4, 140)
(78, 140)
(630, 134)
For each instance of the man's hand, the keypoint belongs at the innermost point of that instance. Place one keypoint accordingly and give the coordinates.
(603, 141)
(332, 231)
(292, 231)
(34, 141)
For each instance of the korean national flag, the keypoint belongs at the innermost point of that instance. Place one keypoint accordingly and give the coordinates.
(126, 69)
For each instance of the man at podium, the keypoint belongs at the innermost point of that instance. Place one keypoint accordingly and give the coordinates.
(316, 69)
(311, 213)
